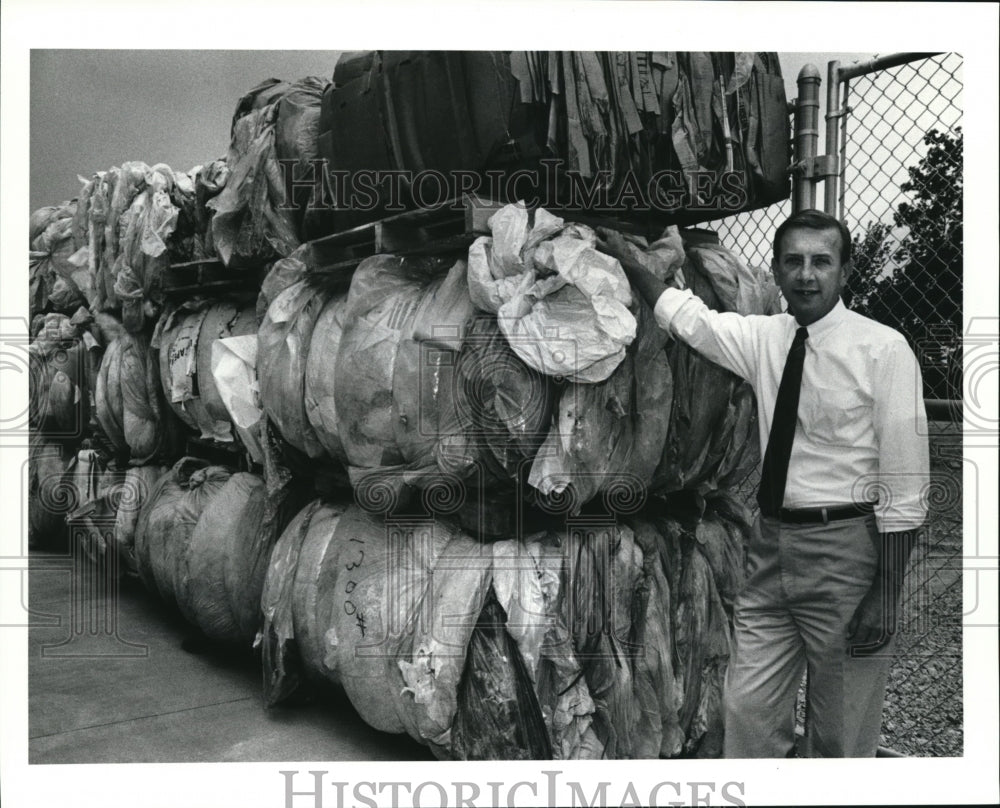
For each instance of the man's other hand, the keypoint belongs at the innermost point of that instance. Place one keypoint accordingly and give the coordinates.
(873, 623)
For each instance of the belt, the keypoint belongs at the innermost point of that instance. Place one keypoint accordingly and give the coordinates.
(806, 516)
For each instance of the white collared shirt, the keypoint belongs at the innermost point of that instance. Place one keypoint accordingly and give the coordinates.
(861, 433)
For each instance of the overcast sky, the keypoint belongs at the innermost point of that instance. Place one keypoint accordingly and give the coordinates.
(93, 109)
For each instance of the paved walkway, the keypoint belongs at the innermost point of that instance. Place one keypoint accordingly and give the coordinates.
(100, 695)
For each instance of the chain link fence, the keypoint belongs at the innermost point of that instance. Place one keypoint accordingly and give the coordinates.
(900, 193)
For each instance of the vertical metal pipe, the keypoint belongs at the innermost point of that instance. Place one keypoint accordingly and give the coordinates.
(845, 100)
(806, 136)
(833, 113)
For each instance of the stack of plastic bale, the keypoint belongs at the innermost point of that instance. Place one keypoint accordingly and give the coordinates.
(273, 144)
(202, 542)
(694, 135)
(63, 358)
(530, 377)
(58, 277)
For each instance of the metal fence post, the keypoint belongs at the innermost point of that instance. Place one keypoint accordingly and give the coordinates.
(806, 137)
(833, 112)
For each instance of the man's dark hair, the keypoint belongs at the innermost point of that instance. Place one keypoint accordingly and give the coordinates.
(814, 220)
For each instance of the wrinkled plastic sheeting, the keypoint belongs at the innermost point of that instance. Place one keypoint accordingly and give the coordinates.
(504, 406)
(395, 395)
(168, 519)
(58, 276)
(296, 132)
(129, 399)
(282, 350)
(58, 378)
(134, 491)
(609, 436)
(250, 225)
(234, 370)
(563, 306)
(226, 560)
(713, 439)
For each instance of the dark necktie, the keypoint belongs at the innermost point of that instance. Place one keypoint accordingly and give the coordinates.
(774, 471)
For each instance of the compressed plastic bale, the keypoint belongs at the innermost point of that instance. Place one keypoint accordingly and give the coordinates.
(563, 305)
(250, 224)
(51, 493)
(283, 674)
(658, 732)
(531, 580)
(395, 382)
(129, 181)
(498, 716)
(222, 320)
(226, 560)
(283, 273)
(128, 499)
(210, 179)
(501, 402)
(295, 137)
(59, 278)
(282, 353)
(129, 400)
(609, 436)
(176, 341)
(320, 379)
(168, 519)
(58, 363)
(358, 590)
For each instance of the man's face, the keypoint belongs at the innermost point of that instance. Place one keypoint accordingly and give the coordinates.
(809, 273)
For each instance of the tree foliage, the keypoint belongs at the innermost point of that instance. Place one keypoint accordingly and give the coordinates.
(920, 291)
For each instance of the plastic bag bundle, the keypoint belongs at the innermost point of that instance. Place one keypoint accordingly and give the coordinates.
(504, 406)
(295, 132)
(184, 339)
(60, 364)
(283, 346)
(51, 494)
(609, 435)
(251, 223)
(699, 570)
(513, 649)
(713, 440)
(143, 257)
(226, 559)
(129, 398)
(395, 394)
(58, 276)
(209, 180)
(563, 306)
(127, 500)
(168, 519)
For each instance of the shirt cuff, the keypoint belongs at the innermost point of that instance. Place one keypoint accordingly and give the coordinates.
(668, 304)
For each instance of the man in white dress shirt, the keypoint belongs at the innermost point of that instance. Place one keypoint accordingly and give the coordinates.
(842, 494)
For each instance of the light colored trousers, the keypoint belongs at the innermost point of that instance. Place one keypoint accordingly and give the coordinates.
(803, 584)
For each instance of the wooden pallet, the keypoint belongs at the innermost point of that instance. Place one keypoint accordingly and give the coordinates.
(450, 228)
(210, 277)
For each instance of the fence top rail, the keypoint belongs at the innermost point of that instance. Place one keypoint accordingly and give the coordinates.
(848, 72)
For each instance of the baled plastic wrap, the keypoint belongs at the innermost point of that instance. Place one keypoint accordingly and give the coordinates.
(168, 519)
(282, 352)
(227, 559)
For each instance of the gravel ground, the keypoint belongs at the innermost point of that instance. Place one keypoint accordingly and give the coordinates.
(923, 712)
